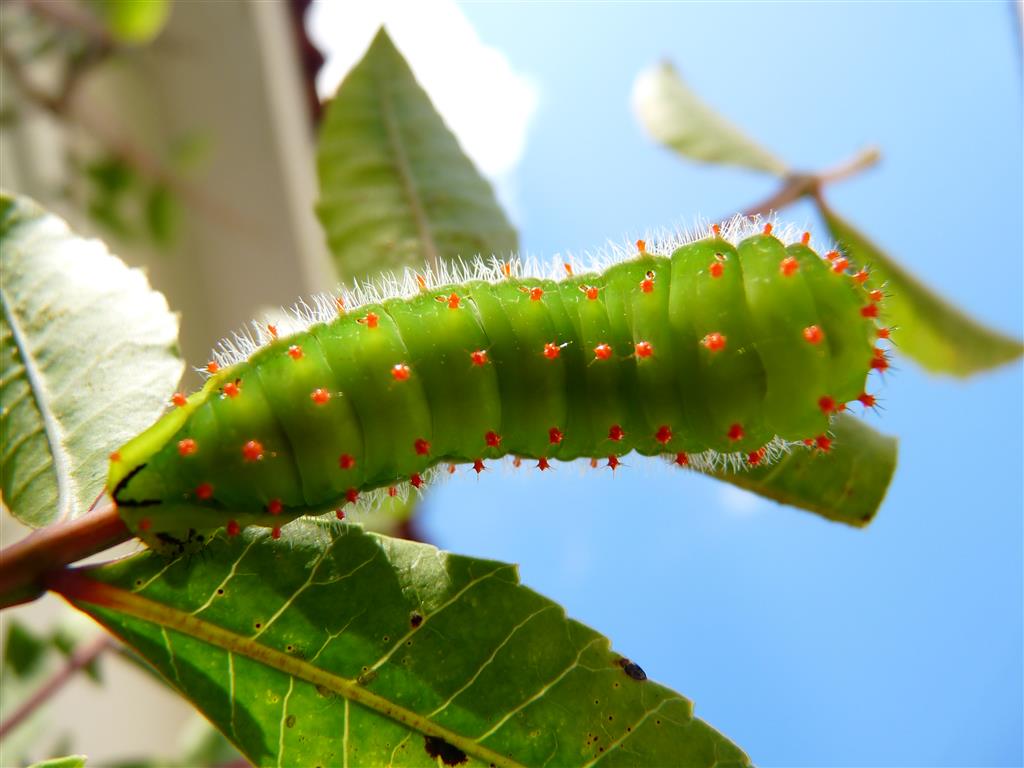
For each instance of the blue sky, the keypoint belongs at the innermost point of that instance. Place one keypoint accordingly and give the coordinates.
(806, 642)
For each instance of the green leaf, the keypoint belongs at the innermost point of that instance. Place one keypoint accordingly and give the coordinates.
(22, 650)
(70, 761)
(333, 646)
(929, 330)
(847, 484)
(89, 359)
(396, 189)
(676, 117)
(133, 22)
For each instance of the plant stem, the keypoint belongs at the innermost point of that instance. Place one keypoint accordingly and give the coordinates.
(83, 656)
(25, 565)
(797, 186)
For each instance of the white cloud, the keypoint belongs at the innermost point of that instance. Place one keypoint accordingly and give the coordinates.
(486, 104)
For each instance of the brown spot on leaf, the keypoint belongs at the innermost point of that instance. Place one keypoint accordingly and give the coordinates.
(415, 619)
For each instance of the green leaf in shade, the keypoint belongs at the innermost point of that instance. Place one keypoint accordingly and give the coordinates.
(23, 650)
(396, 189)
(847, 484)
(676, 117)
(89, 358)
(70, 761)
(133, 22)
(332, 646)
(929, 330)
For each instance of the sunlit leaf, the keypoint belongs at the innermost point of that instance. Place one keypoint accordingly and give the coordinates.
(89, 359)
(133, 22)
(930, 330)
(675, 116)
(69, 761)
(332, 646)
(847, 484)
(396, 189)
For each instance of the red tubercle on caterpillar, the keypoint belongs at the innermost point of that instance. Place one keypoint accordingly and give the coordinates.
(187, 447)
(876, 295)
(568, 268)
(478, 466)
(883, 333)
(295, 352)
(232, 389)
(714, 342)
(415, 480)
(493, 439)
(755, 457)
(681, 460)
(613, 462)
(506, 268)
(272, 330)
(339, 304)
(823, 443)
(536, 292)
(421, 447)
(840, 265)
(869, 310)
(212, 366)
(320, 396)
(788, 266)
(615, 433)
(370, 320)
(827, 404)
(346, 461)
(643, 349)
(400, 372)
(252, 450)
(275, 533)
(232, 528)
(641, 246)
(716, 230)
(664, 434)
(861, 276)
(716, 269)
(115, 456)
(805, 238)
(542, 464)
(421, 281)
(204, 491)
(552, 350)
(179, 400)
(867, 400)
(555, 436)
(813, 334)
(392, 491)
(602, 351)
(453, 300)
(593, 463)
(735, 432)
(351, 496)
(590, 291)
(832, 255)
(517, 462)
(274, 506)
(339, 513)
(767, 229)
(879, 361)
(479, 357)
(647, 284)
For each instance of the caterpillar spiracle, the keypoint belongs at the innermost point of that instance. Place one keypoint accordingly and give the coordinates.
(718, 350)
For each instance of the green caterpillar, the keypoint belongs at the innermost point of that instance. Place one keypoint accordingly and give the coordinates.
(728, 350)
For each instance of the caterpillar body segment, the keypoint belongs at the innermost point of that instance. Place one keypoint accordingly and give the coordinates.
(726, 345)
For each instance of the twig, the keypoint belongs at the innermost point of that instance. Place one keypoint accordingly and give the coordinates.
(24, 566)
(800, 185)
(82, 657)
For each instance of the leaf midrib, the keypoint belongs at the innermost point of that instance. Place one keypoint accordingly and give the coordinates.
(39, 390)
(402, 165)
(77, 587)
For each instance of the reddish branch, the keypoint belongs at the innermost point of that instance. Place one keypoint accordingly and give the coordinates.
(25, 565)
